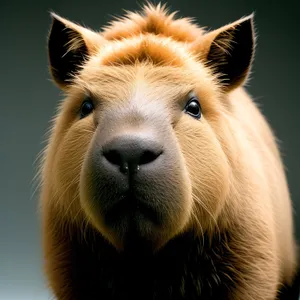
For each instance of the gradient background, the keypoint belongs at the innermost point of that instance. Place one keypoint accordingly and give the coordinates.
(28, 101)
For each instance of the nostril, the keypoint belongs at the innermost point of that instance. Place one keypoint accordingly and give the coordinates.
(130, 153)
(148, 156)
(113, 156)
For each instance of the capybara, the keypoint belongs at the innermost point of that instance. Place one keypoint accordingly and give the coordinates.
(161, 178)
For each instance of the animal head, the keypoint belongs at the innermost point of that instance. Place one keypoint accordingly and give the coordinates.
(140, 148)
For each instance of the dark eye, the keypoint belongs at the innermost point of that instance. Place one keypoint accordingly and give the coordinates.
(86, 108)
(193, 108)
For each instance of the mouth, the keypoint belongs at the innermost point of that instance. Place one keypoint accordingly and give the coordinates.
(133, 211)
(134, 221)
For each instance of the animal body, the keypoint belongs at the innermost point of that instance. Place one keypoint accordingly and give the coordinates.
(161, 178)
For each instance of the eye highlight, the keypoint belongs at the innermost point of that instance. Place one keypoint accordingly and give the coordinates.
(87, 108)
(193, 108)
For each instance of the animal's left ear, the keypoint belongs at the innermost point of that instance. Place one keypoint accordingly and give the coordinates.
(229, 51)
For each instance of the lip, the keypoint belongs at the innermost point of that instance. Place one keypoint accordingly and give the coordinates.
(128, 206)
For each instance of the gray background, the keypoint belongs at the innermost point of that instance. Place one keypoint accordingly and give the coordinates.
(28, 101)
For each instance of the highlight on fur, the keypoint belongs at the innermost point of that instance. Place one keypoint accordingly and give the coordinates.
(161, 178)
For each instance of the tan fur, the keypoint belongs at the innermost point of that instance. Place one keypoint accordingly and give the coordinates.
(155, 20)
(234, 172)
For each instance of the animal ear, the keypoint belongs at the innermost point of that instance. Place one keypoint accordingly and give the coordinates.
(69, 45)
(229, 51)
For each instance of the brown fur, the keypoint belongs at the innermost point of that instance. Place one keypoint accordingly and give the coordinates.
(234, 176)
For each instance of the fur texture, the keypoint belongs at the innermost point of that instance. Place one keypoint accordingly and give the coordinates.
(232, 237)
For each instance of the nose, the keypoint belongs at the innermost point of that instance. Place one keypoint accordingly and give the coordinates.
(129, 153)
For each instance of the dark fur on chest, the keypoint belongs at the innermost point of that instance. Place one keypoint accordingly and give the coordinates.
(186, 268)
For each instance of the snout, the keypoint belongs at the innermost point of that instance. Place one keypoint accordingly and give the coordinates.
(134, 184)
(126, 170)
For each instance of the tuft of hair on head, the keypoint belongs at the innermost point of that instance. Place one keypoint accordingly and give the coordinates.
(157, 36)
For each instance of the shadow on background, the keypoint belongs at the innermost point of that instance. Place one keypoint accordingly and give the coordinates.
(29, 99)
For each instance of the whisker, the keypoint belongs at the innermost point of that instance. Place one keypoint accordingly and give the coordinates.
(203, 205)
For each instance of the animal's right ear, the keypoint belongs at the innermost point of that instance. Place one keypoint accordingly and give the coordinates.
(69, 45)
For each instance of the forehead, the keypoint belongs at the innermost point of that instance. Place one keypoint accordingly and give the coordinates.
(150, 65)
(120, 82)
(147, 47)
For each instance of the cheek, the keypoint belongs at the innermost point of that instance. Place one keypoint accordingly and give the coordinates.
(207, 166)
(68, 164)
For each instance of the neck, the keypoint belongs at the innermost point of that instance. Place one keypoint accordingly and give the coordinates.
(186, 268)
